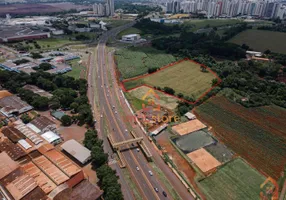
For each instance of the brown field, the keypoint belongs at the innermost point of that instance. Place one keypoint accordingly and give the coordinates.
(14, 9)
(257, 134)
(204, 160)
(188, 127)
(4, 93)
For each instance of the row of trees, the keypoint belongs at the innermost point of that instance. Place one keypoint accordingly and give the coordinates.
(108, 179)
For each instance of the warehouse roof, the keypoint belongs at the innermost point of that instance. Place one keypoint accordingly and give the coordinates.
(42, 122)
(50, 136)
(34, 137)
(75, 149)
(13, 134)
(64, 163)
(24, 144)
(7, 165)
(14, 102)
(50, 170)
(13, 150)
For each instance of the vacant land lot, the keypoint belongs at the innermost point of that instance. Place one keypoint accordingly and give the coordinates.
(78, 70)
(220, 152)
(197, 23)
(236, 180)
(257, 134)
(185, 77)
(163, 99)
(261, 40)
(134, 61)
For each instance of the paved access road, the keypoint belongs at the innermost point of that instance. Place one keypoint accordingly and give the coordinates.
(108, 98)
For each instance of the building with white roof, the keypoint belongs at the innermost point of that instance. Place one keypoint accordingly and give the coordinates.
(52, 137)
(24, 144)
(76, 150)
(190, 116)
(131, 37)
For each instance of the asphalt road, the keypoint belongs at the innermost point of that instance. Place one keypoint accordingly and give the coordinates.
(108, 102)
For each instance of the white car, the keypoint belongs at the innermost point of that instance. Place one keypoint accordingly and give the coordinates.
(137, 168)
(137, 149)
(150, 172)
(126, 130)
(101, 115)
(115, 112)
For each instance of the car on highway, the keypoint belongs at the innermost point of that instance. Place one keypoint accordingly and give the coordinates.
(137, 168)
(164, 193)
(137, 149)
(150, 172)
(156, 189)
(115, 112)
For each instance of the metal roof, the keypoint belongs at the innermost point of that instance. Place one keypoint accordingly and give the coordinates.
(75, 149)
(50, 170)
(50, 136)
(64, 163)
(33, 128)
(7, 165)
(24, 144)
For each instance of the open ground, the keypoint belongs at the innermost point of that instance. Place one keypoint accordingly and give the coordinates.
(256, 134)
(164, 100)
(205, 23)
(236, 180)
(184, 77)
(136, 61)
(261, 40)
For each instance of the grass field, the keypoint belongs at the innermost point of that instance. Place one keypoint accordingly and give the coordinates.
(236, 181)
(113, 23)
(198, 23)
(185, 77)
(261, 40)
(256, 134)
(164, 100)
(76, 69)
(220, 152)
(135, 61)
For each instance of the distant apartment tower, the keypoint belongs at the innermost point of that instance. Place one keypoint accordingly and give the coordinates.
(109, 7)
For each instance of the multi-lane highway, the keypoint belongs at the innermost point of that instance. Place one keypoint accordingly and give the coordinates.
(111, 104)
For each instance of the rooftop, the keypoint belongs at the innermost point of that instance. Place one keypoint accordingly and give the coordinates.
(34, 137)
(16, 31)
(42, 180)
(37, 90)
(50, 136)
(85, 190)
(13, 150)
(4, 93)
(13, 134)
(50, 170)
(64, 163)
(42, 122)
(7, 165)
(21, 186)
(15, 102)
(76, 150)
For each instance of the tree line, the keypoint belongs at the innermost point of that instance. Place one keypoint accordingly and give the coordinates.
(107, 176)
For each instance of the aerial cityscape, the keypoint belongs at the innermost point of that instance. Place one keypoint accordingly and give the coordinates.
(142, 100)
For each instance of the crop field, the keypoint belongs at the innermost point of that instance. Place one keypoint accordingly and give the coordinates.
(163, 99)
(135, 61)
(261, 40)
(185, 77)
(236, 180)
(256, 134)
(193, 141)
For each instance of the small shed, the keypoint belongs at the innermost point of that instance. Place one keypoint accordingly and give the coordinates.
(190, 116)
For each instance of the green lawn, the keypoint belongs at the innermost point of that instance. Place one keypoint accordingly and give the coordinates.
(113, 23)
(236, 181)
(135, 61)
(261, 40)
(185, 77)
(203, 23)
(76, 69)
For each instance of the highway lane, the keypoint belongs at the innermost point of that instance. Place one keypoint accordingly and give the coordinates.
(107, 100)
(142, 178)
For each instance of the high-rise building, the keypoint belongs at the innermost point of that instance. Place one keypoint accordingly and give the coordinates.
(110, 5)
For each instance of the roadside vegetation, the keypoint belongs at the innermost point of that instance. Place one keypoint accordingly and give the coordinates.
(78, 70)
